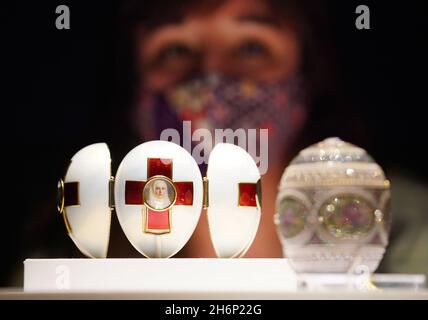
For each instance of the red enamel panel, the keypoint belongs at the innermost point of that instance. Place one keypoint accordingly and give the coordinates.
(158, 220)
(71, 194)
(157, 166)
(184, 193)
(134, 192)
(247, 194)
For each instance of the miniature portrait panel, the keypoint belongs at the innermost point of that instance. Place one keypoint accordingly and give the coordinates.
(159, 193)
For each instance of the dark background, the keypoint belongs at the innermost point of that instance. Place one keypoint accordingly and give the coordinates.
(65, 89)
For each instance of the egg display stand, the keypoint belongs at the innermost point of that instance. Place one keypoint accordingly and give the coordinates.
(202, 278)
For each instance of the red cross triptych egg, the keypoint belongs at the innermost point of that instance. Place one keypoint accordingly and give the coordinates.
(158, 194)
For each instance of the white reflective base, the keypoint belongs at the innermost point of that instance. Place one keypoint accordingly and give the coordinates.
(215, 278)
(158, 275)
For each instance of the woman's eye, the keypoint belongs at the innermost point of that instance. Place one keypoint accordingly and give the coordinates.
(174, 51)
(252, 49)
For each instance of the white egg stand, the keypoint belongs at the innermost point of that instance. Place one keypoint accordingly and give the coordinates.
(205, 279)
(158, 275)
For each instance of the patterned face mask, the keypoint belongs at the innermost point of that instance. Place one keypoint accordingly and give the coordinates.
(218, 102)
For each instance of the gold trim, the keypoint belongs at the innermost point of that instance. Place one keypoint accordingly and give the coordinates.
(60, 196)
(205, 201)
(259, 193)
(157, 177)
(156, 231)
(111, 202)
(387, 184)
(61, 190)
(67, 223)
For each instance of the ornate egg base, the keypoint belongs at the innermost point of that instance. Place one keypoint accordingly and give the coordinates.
(337, 258)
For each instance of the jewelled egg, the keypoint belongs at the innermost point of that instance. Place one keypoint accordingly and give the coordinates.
(332, 209)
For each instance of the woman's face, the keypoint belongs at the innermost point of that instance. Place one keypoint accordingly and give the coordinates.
(160, 189)
(238, 38)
